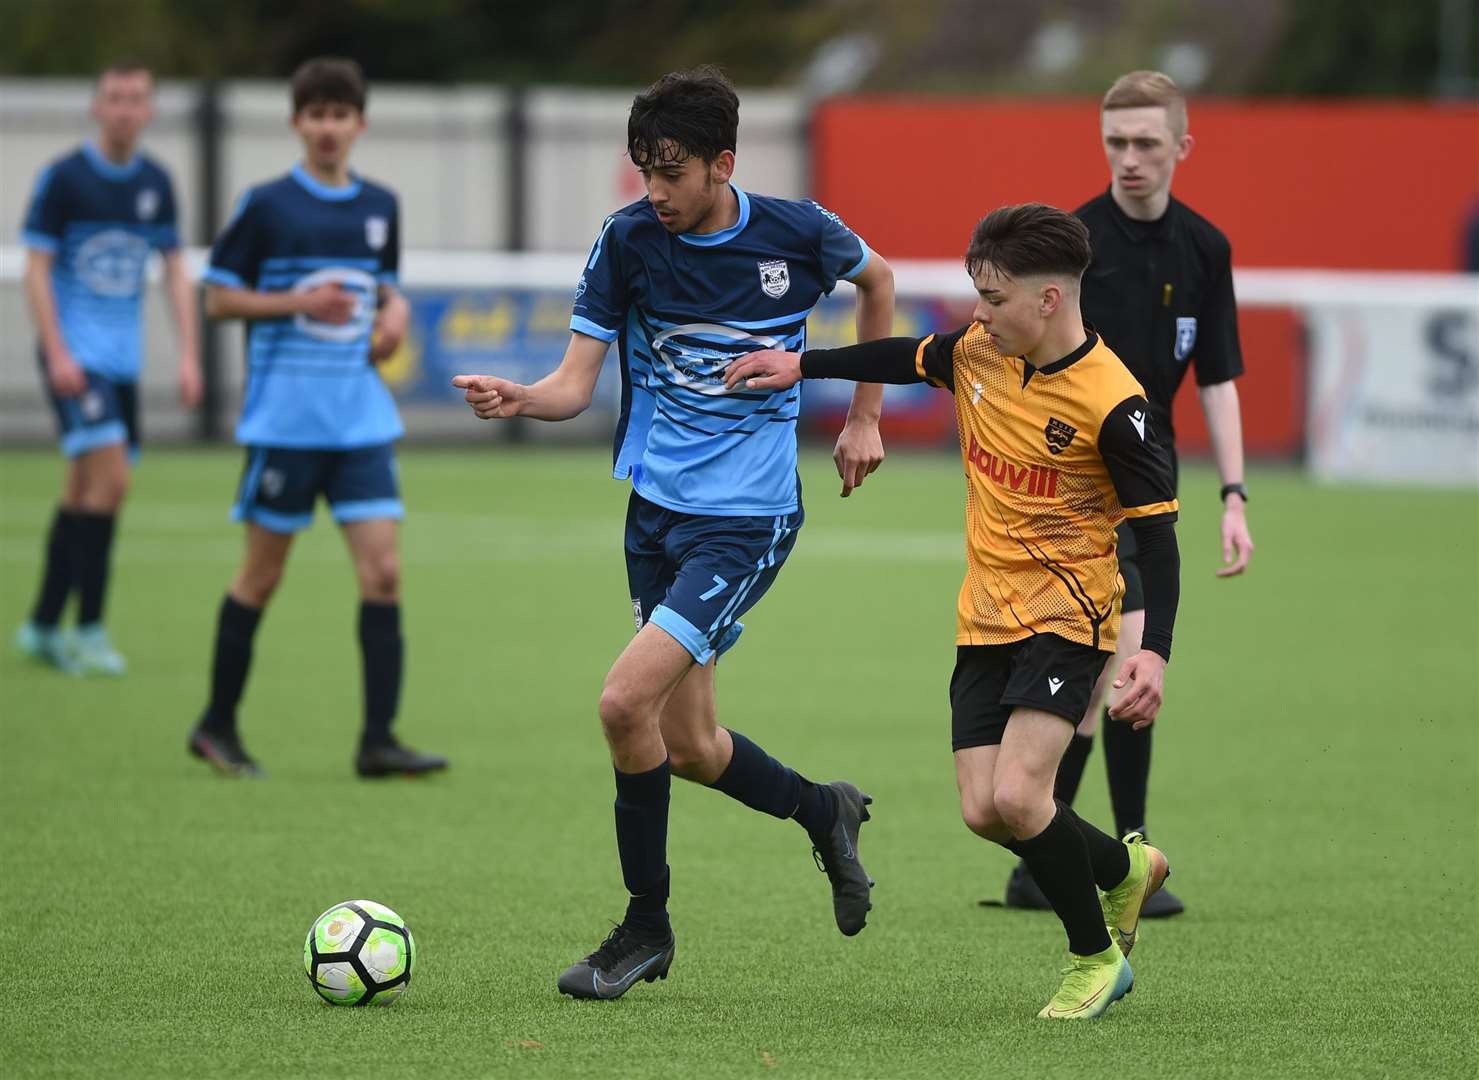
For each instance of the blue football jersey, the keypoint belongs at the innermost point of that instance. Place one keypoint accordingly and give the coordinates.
(310, 384)
(682, 308)
(100, 221)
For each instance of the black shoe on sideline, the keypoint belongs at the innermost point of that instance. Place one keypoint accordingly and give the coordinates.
(223, 753)
(836, 855)
(1023, 892)
(1162, 905)
(393, 759)
(624, 958)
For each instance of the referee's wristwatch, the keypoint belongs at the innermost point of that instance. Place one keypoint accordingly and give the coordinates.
(1233, 489)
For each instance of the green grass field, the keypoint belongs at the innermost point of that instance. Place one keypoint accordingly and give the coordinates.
(1315, 787)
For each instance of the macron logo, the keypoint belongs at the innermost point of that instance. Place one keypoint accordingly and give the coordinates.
(1054, 685)
(1138, 419)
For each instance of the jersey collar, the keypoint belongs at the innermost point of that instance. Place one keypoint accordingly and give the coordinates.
(1068, 361)
(110, 170)
(723, 235)
(318, 189)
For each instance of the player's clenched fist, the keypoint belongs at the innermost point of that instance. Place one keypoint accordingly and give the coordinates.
(492, 398)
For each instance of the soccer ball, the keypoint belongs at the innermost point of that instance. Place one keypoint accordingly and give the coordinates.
(359, 953)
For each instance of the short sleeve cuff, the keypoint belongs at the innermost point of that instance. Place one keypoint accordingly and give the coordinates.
(859, 266)
(40, 241)
(589, 329)
(215, 275)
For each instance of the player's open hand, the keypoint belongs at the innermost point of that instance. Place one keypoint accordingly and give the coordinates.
(492, 398)
(391, 323)
(768, 369)
(329, 303)
(1145, 674)
(858, 453)
(1237, 544)
(66, 377)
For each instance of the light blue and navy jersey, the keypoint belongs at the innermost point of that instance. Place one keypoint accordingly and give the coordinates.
(100, 221)
(683, 307)
(310, 384)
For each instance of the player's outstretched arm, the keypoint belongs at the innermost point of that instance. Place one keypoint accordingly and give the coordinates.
(1225, 424)
(563, 393)
(859, 449)
(887, 360)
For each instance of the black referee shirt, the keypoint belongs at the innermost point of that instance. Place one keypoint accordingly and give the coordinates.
(1160, 293)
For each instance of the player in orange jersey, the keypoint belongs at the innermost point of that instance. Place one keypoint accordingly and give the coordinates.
(1058, 448)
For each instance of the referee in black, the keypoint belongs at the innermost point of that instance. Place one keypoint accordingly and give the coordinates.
(1160, 292)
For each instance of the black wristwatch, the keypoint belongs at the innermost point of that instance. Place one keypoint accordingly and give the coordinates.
(1233, 489)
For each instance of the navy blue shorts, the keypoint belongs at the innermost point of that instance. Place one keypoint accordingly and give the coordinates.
(279, 487)
(694, 575)
(104, 414)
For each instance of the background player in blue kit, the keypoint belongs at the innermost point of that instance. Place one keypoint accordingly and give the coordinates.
(698, 273)
(95, 217)
(310, 260)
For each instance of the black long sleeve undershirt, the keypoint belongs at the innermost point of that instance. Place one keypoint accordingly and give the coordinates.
(884, 360)
(1159, 560)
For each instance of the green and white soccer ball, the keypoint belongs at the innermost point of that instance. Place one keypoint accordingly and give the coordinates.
(359, 953)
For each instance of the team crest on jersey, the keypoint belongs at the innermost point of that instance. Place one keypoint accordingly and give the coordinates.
(147, 204)
(377, 231)
(1186, 336)
(1059, 435)
(775, 278)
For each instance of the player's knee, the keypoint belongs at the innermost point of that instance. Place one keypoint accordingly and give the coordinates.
(254, 585)
(1019, 801)
(103, 491)
(625, 712)
(380, 577)
(980, 816)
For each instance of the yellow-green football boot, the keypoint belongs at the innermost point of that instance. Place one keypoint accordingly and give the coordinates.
(1123, 903)
(1091, 984)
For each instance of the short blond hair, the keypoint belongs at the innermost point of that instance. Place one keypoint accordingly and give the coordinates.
(1149, 89)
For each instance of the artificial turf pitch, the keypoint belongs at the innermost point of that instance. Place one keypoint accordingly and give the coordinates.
(1315, 788)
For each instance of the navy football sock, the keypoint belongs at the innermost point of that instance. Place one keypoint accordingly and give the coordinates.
(56, 579)
(383, 652)
(92, 548)
(236, 625)
(762, 783)
(642, 844)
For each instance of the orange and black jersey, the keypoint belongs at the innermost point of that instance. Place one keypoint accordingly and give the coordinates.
(1055, 459)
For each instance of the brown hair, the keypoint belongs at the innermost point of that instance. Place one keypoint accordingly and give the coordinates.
(684, 114)
(125, 65)
(1029, 239)
(1149, 89)
(328, 79)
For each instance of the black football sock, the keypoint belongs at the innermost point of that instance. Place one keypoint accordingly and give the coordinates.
(1109, 858)
(236, 625)
(1059, 861)
(1071, 768)
(92, 549)
(642, 844)
(383, 652)
(1127, 759)
(56, 579)
(762, 783)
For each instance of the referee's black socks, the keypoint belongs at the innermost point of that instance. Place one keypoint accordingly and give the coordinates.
(1127, 760)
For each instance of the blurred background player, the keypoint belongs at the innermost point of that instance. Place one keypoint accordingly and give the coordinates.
(686, 279)
(310, 261)
(95, 217)
(1050, 424)
(1160, 290)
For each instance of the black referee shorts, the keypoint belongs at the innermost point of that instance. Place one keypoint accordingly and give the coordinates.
(1044, 672)
(1130, 569)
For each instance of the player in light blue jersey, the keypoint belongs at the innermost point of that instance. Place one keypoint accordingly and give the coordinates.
(95, 218)
(698, 273)
(310, 261)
